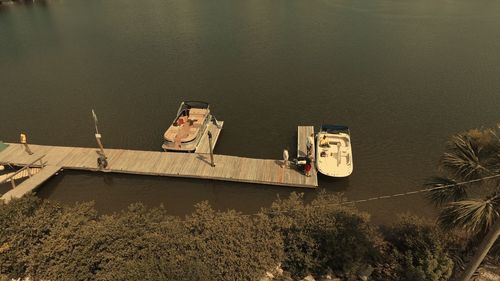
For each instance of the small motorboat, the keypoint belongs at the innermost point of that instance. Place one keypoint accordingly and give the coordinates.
(188, 127)
(334, 151)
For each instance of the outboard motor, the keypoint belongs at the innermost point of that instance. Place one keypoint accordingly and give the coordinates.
(301, 163)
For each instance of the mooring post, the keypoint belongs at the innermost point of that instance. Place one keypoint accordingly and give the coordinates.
(211, 150)
(98, 139)
(97, 135)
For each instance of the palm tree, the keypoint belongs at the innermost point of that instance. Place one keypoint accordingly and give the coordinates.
(469, 186)
(469, 189)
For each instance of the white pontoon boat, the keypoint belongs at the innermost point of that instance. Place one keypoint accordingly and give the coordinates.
(334, 151)
(188, 127)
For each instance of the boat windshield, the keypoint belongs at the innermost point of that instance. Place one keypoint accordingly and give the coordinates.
(196, 104)
(187, 105)
(334, 128)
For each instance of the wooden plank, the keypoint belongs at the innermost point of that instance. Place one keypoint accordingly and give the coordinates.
(7, 153)
(302, 133)
(161, 163)
(15, 154)
(172, 164)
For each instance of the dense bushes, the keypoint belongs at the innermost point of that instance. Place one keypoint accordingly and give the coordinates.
(24, 225)
(323, 237)
(415, 250)
(45, 240)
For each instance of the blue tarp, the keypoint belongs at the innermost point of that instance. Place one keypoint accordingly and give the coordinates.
(3, 146)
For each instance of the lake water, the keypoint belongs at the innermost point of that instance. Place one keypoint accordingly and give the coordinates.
(404, 75)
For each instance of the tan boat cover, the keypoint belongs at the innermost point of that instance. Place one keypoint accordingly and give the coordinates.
(187, 132)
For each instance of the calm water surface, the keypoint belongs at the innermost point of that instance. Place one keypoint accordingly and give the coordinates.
(404, 75)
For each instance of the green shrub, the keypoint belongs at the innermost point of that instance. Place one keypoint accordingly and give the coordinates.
(53, 242)
(47, 241)
(24, 224)
(66, 252)
(233, 246)
(416, 251)
(323, 236)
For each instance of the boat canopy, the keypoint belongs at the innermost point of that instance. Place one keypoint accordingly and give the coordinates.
(196, 104)
(333, 128)
(186, 105)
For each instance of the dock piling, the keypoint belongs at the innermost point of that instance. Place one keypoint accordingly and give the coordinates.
(97, 135)
(211, 149)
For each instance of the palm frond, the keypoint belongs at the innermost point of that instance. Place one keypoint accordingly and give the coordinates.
(462, 159)
(495, 199)
(446, 190)
(474, 216)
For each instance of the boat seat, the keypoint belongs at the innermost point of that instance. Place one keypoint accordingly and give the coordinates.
(345, 153)
(184, 132)
(171, 133)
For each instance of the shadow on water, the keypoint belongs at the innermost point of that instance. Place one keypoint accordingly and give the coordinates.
(5, 187)
(333, 184)
(115, 192)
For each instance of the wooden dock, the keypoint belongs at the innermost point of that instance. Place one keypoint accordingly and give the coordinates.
(171, 164)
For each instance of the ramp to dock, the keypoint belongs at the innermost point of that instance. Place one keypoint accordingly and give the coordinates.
(203, 146)
(31, 183)
(16, 176)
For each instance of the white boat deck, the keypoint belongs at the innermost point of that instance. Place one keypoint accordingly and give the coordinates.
(334, 158)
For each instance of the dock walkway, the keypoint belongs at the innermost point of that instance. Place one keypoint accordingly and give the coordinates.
(171, 164)
(303, 133)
